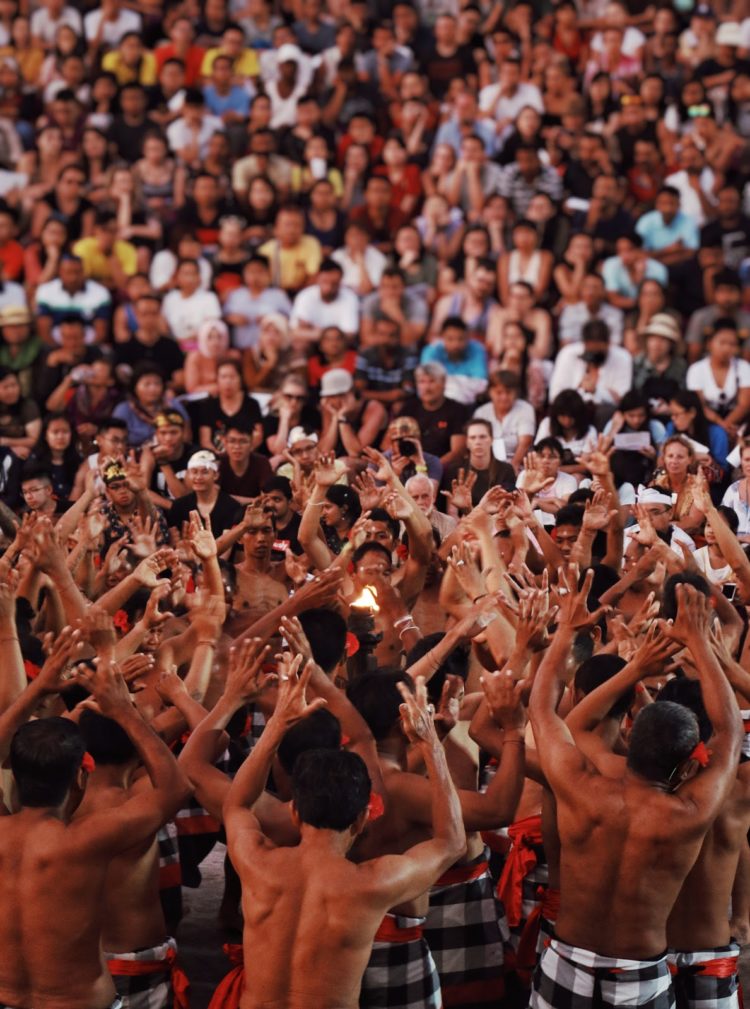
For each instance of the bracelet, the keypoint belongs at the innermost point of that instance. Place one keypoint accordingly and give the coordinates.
(521, 742)
(206, 641)
(315, 504)
(482, 595)
(420, 468)
(403, 620)
(344, 420)
(409, 627)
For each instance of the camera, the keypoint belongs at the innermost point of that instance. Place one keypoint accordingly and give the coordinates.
(407, 447)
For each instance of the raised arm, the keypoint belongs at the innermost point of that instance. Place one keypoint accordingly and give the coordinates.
(309, 535)
(404, 877)
(691, 628)
(244, 831)
(13, 678)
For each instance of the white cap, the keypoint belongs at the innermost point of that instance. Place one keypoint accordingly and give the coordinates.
(662, 324)
(728, 34)
(203, 460)
(298, 434)
(652, 495)
(289, 53)
(336, 382)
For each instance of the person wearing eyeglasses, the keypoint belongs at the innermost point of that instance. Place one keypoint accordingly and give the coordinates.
(289, 409)
(710, 442)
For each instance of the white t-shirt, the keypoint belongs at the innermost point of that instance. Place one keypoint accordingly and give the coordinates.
(44, 27)
(164, 264)
(508, 106)
(689, 200)
(180, 135)
(343, 311)
(375, 263)
(734, 500)
(717, 576)
(632, 41)
(126, 21)
(185, 316)
(700, 378)
(520, 421)
(565, 484)
(576, 446)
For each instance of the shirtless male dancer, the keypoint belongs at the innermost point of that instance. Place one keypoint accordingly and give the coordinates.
(628, 843)
(53, 868)
(311, 914)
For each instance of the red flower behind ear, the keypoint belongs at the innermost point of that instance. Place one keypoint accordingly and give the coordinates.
(352, 644)
(375, 807)
(121, 622)
(701, 755)
(88, 763)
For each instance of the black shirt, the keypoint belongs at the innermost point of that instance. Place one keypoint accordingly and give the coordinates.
(225, 513)
(50, 376)
(129, 139)
(165, 352)
(733, 240)
(179, 467)
(436, 426)
(441, 71)
(212, 415)
(497, 474)
(287, 537)
(250, 483)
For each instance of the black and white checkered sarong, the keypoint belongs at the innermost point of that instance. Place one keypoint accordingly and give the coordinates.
(569, 977)
(706, 979)
(401, 973)
(466, 929)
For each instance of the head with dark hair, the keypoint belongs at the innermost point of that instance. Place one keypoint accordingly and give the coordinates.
(568, 415)
(454, 664)
(385, 529)
(319, 731)
(376, 697)
(330, 789)
(372, 557)
(105, 740)
(45, 758)
(346, 501)
(688, 693)
(662, 738)
(597, 670)
(687, 414)
(669, 596)
(326, 632)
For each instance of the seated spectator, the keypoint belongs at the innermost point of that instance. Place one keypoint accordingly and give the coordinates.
(351, 422)
(20, 423)
(188, 306)
(463, 358)
(660, 370)
(385, 370)
(513, 421)
(395, 302)
(201, 365)
(324, 303)
(333, 351)
(568, 421)
(624, 272)
(362, 264)
(242, 472)
(146, 400)
(602, 373)
(294, 257)
(272, 357)
(230, 403)
(106, 259)
(593, 306)
(164, 461)
(549, 500)
(722, 379)
(246, 305)
(737, 495)
(71, 293)
(214, 505)
(479, 462)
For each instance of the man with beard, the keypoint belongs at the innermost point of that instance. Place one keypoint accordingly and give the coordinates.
(325, 303)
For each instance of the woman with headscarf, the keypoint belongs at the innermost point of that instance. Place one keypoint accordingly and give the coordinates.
(201, 364)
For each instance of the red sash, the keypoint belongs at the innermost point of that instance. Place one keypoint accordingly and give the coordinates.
(520, 861)
(462, 874)
(390, 931)
(169, 965)
(723, 966)
(229, 990)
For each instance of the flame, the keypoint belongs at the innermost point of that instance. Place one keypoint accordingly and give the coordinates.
(367, 599)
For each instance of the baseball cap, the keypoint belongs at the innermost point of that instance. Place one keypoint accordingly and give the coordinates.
(336, 382)
(703, 11)
(728, 34)
(15, 315)
(664, 325)
(203, 460)
(288, 53)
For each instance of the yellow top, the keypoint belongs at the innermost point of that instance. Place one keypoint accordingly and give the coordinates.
(293, 268)
(96, 264)
(246, 64)
(145, 74)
